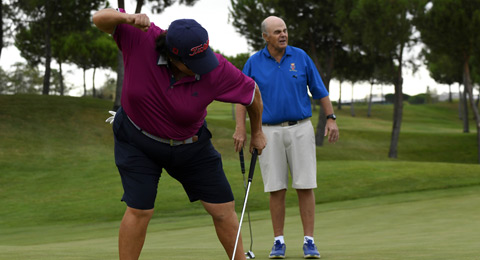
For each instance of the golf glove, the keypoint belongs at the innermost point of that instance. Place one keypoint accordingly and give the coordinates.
(110, 119)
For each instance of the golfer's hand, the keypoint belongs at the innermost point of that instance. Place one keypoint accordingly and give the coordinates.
(141, 21)
(331, 129)
(239, 138)
(259, 141)
(110, 119)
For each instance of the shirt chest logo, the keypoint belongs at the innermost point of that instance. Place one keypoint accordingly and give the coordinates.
(293, 67)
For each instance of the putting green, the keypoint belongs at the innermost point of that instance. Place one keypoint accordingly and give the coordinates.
(442, 224)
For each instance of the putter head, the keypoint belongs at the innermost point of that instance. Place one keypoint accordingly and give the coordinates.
(250, 255)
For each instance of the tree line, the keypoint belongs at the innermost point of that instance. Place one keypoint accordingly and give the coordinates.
(367, 40)
(46, 30)
(348, 40)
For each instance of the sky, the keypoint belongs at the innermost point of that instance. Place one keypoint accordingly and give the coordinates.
(213, 15)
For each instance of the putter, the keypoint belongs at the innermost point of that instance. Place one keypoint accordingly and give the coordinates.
(249, 254)
(250, 177)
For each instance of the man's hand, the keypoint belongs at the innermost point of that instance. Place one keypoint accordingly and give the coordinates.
(141, 21)
(239, 138)
(258, 141)
(331, 129)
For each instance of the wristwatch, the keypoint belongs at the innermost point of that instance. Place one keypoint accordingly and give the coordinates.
(332, 116)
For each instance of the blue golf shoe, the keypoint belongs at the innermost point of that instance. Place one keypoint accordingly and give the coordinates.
(310, 250)
(278, 250)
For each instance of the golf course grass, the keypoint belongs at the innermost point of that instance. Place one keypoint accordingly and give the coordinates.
(60, 191)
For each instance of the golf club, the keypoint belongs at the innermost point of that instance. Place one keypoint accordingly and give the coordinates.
(249, 254)
(250, 177)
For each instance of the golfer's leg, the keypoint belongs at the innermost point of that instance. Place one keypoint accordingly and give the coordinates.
(132, 233)
(306, 202)
(277, 211)
(226, 225)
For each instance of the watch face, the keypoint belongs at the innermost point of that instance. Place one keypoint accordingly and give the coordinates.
(332, 116)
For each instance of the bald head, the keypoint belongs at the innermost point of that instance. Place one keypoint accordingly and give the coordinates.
(274, 32)
(271, 21)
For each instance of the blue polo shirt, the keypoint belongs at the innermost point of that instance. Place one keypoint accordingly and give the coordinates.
(285, 85)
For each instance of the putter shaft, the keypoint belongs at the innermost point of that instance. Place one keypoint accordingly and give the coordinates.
(250, 177)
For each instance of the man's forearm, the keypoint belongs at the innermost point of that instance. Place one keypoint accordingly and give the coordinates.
(107, 19)
(255, 113)
(240, 116)
(326, 105)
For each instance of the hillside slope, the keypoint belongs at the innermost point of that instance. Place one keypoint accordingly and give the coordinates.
(57, 166)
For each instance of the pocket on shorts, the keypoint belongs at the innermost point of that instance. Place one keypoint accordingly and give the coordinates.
(118, 122)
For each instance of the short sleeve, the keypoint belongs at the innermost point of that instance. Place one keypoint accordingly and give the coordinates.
(234, 86)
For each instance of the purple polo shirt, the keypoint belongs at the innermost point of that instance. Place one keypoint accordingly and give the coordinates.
(172, 111)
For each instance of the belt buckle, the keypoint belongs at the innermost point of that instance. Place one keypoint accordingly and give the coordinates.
(190, 140)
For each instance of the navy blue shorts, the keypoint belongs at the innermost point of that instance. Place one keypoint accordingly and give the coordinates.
(140, 161)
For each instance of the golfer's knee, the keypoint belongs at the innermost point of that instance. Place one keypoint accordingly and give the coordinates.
(139, 213)
(221, 212)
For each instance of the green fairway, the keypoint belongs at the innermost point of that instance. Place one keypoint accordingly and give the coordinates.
(423, 225)
(60, 190)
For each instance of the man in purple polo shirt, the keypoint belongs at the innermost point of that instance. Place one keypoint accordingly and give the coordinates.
(171, 76)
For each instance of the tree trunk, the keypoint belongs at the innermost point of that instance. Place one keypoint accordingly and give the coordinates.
(326, 80)
(1, 28)
(138, 8)
(382, 97)
(477, 102)
(460, 97)
(352, 108)
(466, 126)
(397, 119)
(94, 91)
(48, 59)
(84, 83)
(120, 73)
(397, 109)
(450, 99)
(339, 105)
(369, 111)
(62, 86)
(322, 121)
(468, 88)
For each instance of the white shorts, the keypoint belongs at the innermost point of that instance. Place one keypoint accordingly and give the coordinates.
(289, 148)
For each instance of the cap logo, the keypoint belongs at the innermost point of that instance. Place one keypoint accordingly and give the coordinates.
(199, 49)
(175, 51)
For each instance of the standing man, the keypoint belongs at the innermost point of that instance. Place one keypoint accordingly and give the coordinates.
(170, 79)
(284, 75)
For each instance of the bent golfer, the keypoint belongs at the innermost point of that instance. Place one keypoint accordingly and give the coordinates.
(171, 76)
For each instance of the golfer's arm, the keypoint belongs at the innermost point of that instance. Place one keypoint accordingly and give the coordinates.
(107, 19)
(255, 113)
(240, 117)
(326, 105)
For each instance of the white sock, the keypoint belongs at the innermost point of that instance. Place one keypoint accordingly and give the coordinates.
(306, 238)
(281, 238)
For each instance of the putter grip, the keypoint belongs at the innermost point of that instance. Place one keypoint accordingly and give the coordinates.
(242, 161)
(252, 164)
